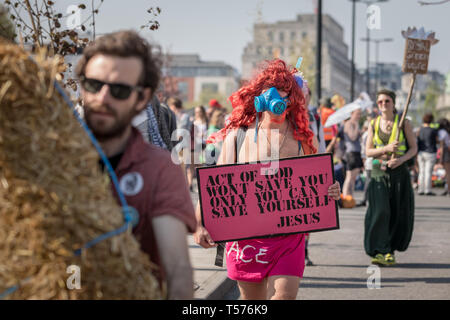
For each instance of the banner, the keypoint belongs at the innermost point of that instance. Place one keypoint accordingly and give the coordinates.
(417, 53)
(253, 200)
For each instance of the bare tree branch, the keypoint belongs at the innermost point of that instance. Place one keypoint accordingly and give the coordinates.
(425, 3)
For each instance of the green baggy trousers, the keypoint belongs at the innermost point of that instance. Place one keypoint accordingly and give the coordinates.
(389, 220)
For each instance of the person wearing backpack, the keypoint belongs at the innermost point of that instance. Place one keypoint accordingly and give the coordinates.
(389, 219)
(156, 124)
(271, 268)
(427, 145)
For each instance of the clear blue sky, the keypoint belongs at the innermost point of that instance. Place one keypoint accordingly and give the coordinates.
(219, 30)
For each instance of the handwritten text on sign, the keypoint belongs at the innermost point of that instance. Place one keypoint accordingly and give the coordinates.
(416, 57)
(249, 201)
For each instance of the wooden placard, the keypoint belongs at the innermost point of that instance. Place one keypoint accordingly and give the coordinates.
(417, 53)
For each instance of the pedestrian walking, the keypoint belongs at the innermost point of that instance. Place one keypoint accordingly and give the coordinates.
(213, 105)
(182, 118)
(185, 142)
(353, 160)
(325, 110)
(277, 276)
(216, 123)
(426, 158)
(389, 217)
(367, 163)
(444, 141)
(118, 77)
(200, 132)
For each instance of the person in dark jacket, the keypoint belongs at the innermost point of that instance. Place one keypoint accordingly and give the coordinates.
(427, 145)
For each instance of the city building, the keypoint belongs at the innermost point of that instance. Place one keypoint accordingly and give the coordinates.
(443, 104)
(433, 82)
(189, 77)
(385, 75)
(289, 40)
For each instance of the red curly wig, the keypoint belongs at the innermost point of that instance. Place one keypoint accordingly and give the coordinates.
(275, 74)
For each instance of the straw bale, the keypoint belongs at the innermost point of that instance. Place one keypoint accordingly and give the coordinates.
(54, 198)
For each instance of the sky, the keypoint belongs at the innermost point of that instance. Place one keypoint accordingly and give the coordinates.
(219, 30)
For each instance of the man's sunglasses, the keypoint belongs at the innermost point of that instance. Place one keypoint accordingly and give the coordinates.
(118, 91)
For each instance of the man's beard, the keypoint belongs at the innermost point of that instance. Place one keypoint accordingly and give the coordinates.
(104, 132)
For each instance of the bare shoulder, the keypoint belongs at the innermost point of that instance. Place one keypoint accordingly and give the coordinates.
(408, 130)
(407, 125)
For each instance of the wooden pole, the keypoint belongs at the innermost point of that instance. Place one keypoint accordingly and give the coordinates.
(405, 110)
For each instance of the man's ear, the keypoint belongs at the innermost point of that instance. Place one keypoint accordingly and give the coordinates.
(143, 99)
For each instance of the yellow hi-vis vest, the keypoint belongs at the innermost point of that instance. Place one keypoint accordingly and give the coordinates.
(379, 144)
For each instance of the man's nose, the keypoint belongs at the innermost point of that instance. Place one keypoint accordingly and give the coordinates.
(104, 95)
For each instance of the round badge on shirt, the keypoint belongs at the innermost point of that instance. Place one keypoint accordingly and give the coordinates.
(131, 183)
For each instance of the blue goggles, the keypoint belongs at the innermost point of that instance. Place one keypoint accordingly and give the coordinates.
(271, 101)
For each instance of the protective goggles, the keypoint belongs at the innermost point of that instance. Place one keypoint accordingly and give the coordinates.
(118, 91)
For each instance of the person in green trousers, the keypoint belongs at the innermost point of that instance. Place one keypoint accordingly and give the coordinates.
(389, 219)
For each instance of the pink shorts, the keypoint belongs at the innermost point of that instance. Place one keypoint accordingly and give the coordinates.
(255, 259)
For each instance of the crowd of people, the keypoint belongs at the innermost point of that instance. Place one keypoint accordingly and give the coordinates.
(348, 142)
(119, 80)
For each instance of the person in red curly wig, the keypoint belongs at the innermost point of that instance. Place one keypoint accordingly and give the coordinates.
(267, 267)
(276, 74)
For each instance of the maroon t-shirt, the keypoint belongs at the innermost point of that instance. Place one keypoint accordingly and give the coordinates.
(154, 186)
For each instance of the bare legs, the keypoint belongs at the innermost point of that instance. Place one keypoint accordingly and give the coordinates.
(273, 288)
(349, 183)
(447, 175)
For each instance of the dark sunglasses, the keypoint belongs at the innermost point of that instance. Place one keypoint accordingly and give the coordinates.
(385, 101)
(118, 91)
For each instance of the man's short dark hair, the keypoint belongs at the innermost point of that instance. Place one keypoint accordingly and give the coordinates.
(175, 102)
(427, 118)
(124, 44)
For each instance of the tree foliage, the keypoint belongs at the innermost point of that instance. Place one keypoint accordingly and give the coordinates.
(308, 68)
(40, 24)
(432, 94)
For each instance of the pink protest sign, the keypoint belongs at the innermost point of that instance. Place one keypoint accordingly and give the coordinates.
(243, 201)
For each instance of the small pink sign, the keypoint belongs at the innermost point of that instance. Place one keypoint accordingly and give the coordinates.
(256, 200)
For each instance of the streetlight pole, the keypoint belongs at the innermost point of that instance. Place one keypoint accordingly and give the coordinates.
(352, 83)
(319, 52)
(377, 53)
(377, 42)
(368, 61)
(367, 3)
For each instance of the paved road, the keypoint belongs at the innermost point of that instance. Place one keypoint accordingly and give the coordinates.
(341, 265)
(422, 272)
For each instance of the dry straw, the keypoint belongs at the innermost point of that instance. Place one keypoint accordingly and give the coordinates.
(54, 198)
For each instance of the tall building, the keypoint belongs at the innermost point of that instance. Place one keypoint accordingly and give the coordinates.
(443, 105)
(385, 75)
(290, 39)
(188, 76)
(422, 86)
